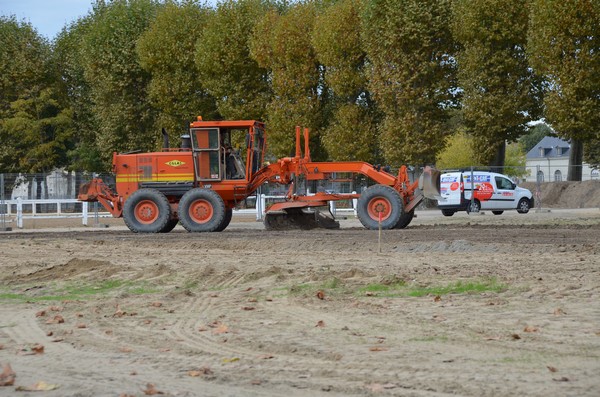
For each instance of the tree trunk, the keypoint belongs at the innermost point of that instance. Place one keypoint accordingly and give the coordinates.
(497, 164)
(575, 160)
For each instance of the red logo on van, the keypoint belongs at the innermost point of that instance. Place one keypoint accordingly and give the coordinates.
(484, 192)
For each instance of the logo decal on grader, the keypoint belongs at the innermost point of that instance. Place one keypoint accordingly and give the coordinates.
(175, 163)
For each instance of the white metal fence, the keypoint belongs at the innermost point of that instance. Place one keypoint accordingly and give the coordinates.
(18, 211)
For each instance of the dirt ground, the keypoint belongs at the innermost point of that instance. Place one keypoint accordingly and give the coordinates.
(246, 312)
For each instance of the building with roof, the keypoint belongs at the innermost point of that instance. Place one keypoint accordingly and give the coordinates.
(548, 161)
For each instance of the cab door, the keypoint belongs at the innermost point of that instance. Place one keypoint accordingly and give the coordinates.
(504, 196)
(207, 149)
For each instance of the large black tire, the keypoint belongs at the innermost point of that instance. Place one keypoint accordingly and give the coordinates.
(405, 219)
(226, 220)
(147, 211)
(379, 199)
(170, 226)
(475, 206)
(201, 210)
(523, 206)
(448, 212)
(497, 212)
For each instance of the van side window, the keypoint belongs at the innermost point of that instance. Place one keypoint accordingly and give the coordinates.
(504, 183)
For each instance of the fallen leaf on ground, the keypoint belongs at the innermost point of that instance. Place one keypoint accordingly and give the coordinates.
(58, 319)
(200, 371)
(266, 356)
(230, 360)
(252, 300)
(56, 308)
(320, 323)
(530, 328)
(321, 295)
(563, 379)
(41, 313)
(7, 377)
(156, 304)
(551, 369)
(558, 311)
(126, 350)
(492, 338)
(437, 298)
(82, 325)
(377, 349)
(248, 308)
(151, 390)
(39, 386)
(221, 329)
(256, 382)
(515, 336)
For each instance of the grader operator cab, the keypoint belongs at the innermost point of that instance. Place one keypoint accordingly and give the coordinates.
(220, 163)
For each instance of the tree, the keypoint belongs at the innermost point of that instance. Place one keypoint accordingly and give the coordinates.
(499, 89)
(534, 135)
(118, 84)
(281, 43)
(74, 92)
(35, 131)
(412, 75)
(351, 133)
(591, 153)
(564, 42)
(166, 51)
(241, 87)
(458, 153)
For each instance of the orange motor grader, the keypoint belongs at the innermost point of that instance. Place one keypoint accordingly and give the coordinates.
(200, 183)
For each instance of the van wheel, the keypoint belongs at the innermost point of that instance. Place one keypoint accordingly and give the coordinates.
(497, 212)
(523, 206)
(474, 206)
(448, 212)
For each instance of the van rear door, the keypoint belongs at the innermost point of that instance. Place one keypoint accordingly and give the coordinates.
(450, 189)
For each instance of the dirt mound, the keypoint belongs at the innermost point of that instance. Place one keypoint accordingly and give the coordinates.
(584, 194)
(88, 269)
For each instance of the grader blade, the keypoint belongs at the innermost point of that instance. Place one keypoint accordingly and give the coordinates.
(429, 183)
(300, 219)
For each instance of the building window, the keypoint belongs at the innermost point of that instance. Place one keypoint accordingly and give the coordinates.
(542, 151)
(540, 176)
(557, 176)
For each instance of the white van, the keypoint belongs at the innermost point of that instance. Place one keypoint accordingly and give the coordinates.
(491, 191)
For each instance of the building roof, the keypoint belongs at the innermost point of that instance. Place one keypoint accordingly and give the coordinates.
(550, 147)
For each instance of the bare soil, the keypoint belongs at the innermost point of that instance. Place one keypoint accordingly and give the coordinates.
(247, 312)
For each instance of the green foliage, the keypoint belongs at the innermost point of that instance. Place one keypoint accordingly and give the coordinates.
(514, 161)
(35, 131)
(281, 44)
(166, 51)
(240, 86)
(351, 133)
(591, 153)
(564, 42)
(118, 84)
(500, 95)
(411, 74)
(458, 153)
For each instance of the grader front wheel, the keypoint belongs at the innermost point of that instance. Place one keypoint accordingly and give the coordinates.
(147, 211)
(379, 202)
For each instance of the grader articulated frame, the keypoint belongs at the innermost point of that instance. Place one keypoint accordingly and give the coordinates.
(195, 185)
